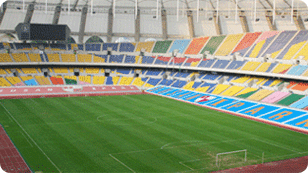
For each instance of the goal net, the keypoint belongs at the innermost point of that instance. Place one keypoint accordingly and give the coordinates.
(232, 157)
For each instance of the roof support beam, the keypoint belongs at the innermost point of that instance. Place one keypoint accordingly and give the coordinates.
(29, 13)
(4, 7)
(75, 5)
(269, 19)
(56, 15)
(137, 26)
(217, 24)
(82, 26)
(110, 25)
(243, 20)
(190, 21)
(298, 21)
(164, 23)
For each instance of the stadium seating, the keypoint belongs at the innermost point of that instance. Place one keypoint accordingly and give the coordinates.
(300, 86)
(80, 47)
(20, 57)
(91, 70)
(275, 97)
(112, 80)
(127, 47)
(266, 67)
(211, 77)
(29, 70)
(261, 94)
(116, 58)
(180, 45)
(162, 46)
(213, 44)
(290, 99)
(28, 80)
(139, 81)
(15, 81)
(2, 71)
(147, 46)
(236, 65)
(70, 80)
(126, 80)
(123, 71)
(302, 52)
(162, 60)
(294, 46)
(196, 45)
(153, 72)
(53, 57)
(177, 61)
(42, 80)
(5, 57)
(300, 104)
(179, 83)
(84, 58)
(34, 57)
(207, 63)
(228, 45)
(205, 87)
(100, 58)
(97, 80)
(4, 83)
(246, 42)
(277, 46)
(192, 85)
(93, 47)
(251, 66)
(282, 68)
(68, 58)
(72, 46)
(231, 91)
(193, 62)
(261, 44)
(57, 80)
(58, 47)
(245, 93)
(166, 82)
(221, 64)
(147, 59)
(114, 46)
(129, 59)
(152, 82)
(220, 88)
(86, 80)
(37, 45)
(23, 46)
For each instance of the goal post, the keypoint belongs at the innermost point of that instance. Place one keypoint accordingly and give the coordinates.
(230, 152)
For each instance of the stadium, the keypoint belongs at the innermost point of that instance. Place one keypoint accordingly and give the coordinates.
(153, 86)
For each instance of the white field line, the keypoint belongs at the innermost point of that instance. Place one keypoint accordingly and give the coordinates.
(8, 116)
(31, 139)
(268, 113)
(293, 119)
(186, 166)
(270, 143)
(26, 138)
(121, 163)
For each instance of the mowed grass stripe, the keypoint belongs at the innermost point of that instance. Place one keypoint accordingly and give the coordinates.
(133, 129)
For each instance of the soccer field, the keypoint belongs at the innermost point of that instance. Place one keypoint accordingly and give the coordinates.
(139, 133)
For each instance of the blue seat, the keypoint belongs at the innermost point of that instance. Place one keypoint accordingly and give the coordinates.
(179, 83)
(58, 46)
(236, 64)
(116, 58)
(114, 46)
(153, 81)
(207, 63)
(93, 47)
(221, 64)
(127, 47)
(147, 60)
(123, 71)
(211, 77)
(31, 82)
(130, 59)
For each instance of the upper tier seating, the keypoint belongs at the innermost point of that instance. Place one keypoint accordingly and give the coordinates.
(266, 67)
(228, 45)
(20, 57)
(177, 61)
(213, 44)
(123, 71)
(147, 46)
(72, 46)
(42, 80)
(80, 47)
(114, 46)
(303, 52)
(147, 59)
(86, 80)
(68, 58)
(180, 45)
(99, 58)
(282, 68)
(53, 57)
(116, 58)
(193, 62)
(294, 46)
(93, 47)
(279, 43)
(4, 83)
(207, 63)
(58, 47)
(236, 65)
(290, 99)
(29, 81)
(23, 46)
(251, 66)
(162, 60)
(275, 97)
(221, 64)
(130, 59)
(84, 58)
(261, 44)
(261, 94)
(153, 72)
(57, 80)
(246, 42)
(44, 45)
(34, 57)
(232, 90)
(161, 46)
(127, 47)
(196, 45)
(97, 80)
(211, 77)
(5, 57)
(220, 88)
(298, 70)
(182, 74)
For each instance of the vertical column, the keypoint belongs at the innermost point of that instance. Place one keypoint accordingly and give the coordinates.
(4, 7)
(217, 24)
(29, 13)
(83, 20)
(190, 21)
(298, 21)
(164, 23)
(243, 20)
(57, 13)
(110, 25)
(137, 27)
(269, 19)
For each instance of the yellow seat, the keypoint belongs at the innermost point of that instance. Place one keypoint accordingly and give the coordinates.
(246, 90)
(189, 85)
(92, 70)
(241, 80)
(2, 71)
(251, 66)
(232, 90)
(14, 80)
(98, 80)
(303, 52)
(29, 70)
(4, 83)
(5, 57)
(220, 88)
(293, 50)
(87, 79)
(84, 57)
(98, 59)
(229, 44)
(68, 58)
(20, 57)
(276, 82)
(60, 70)
(145, 45)
(25, 78)
(260, 95)
(126, 80)
(53, 57)
(282, 68)
(42, 80)
(264, 66)
(138, 82)
(202, 89)
(34, 57)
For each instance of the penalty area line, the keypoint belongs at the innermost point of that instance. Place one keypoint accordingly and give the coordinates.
(121, 163)
(31, 138)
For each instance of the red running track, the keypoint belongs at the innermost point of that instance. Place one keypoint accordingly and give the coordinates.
(10, 159)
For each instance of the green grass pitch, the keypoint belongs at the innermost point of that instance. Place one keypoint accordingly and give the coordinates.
(138, 133)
